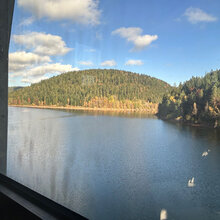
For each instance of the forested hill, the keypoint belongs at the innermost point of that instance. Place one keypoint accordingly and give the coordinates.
(94, 88)
(196, 101)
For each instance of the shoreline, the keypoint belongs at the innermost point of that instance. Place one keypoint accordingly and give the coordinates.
(181, 122)
(86, 109)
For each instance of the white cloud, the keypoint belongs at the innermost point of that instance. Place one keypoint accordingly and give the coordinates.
(108, 63)
(22, 57)
(51, 69)
(34, 80)
(77, 11)
(20, 60)
(196, 15)
(86, 63)
(27, 21)
(42, 70)
(36, 65)
(133, 34)
(11, 80)
(43, 44)
(134, 63)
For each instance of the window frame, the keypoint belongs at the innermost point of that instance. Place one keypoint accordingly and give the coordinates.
(6, 13)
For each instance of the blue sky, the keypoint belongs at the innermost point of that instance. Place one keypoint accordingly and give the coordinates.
(168, 39)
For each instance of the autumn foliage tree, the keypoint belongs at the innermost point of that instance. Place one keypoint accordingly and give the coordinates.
(196, 101)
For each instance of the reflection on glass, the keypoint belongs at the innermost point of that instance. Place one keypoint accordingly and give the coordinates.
(98, 119)
(106, 167)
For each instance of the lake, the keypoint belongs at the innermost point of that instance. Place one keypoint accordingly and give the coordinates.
(116, 166)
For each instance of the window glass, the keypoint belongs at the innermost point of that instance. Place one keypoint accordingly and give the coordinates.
(114, 106)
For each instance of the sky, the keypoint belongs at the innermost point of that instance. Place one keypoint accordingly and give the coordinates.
(167, 39)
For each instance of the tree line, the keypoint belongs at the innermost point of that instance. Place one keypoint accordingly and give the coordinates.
(195, 101)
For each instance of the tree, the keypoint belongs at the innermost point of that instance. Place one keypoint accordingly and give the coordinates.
(195, 110)
(213, 95)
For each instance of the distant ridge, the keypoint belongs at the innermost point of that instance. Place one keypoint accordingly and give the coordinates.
(96, 88)
(14, 88)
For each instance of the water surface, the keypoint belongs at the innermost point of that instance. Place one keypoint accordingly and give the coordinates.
(107, 166)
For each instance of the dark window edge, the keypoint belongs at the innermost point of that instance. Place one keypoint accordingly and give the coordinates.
(34, 202)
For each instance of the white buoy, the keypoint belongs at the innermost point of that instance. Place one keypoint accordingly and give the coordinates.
(191, 182)
(163, 214)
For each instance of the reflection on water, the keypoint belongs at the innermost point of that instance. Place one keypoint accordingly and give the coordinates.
(113, 113)
(119, 167)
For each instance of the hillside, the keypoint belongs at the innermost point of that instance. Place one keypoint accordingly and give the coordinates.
(196, 101)
(94, 88)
